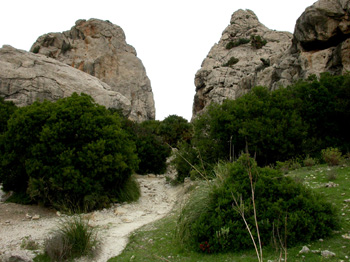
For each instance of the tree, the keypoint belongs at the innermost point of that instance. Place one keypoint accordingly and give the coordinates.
(174, 129)
(72, 153)
(6, 110)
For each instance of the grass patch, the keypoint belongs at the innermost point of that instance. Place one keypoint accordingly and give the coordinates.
(157, 242)
(72, 239)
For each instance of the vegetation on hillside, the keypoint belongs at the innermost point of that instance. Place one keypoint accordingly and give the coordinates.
(279, 125)
(74, 154)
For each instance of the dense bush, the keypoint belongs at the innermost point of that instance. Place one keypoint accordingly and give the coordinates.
(332, 156)
(265, 122)
(70, 154)
(174, 129)
(278, 125)
(6, 110)
(151, 149)
(219, 227)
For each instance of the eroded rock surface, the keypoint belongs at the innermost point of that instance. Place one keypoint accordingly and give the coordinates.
(321, 43)
(218, 80)
(26, 77)
(99, 48)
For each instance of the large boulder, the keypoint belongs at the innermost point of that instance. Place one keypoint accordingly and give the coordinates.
(26, 77)
(321, 43)
(99, 48)
(218, 79)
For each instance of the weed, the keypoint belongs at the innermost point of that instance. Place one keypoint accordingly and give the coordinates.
(332, 175)
(240, 41)
(257, 41)
(73, 238)
(29, 244)
(233, 60)
(309, 162)
(332, 156)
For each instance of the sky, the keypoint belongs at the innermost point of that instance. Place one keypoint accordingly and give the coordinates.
(171, 38)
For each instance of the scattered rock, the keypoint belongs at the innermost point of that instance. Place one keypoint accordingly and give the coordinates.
(347, 200)
(346, 236)
(327, 254)
(16, 256)
(304, 250)
(331, 184)
(36, 217)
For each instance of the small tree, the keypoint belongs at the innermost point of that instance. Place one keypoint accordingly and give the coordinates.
(174, 129)
(72, 153)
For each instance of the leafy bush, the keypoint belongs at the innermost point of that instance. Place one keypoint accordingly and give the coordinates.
(309, 161)
(71, 154)
(219, 227)
(276, 125)
(151, 149)
(332, 156)
(74, 238)
(257, 41)
(174, 129)
(265, 122)
(233, 60)
(240, 41)
(6, 110)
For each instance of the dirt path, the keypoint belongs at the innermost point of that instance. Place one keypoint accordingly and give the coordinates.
(116, 223)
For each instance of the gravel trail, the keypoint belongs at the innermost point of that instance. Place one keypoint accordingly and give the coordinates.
(116, 223)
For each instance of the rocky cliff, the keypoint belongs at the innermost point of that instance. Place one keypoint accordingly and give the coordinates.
(320, 43)
(26, 77)
(99, 49)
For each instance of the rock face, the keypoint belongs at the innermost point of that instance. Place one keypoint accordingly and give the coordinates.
(99, 49)
(26, 77)
(218, 79)
(320, 44)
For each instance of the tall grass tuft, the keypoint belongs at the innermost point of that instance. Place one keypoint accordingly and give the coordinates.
(74, 238)
(130, 191)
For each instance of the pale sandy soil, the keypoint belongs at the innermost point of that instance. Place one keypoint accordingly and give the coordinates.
(115, 223)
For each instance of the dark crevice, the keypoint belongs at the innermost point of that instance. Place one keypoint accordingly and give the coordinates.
(321, 45)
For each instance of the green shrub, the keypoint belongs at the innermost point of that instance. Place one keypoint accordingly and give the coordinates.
(257, 41)
(332, 156)
(276, 125)
(309, 161)
(219, 227)
(233, 60)
(6, 110)
(174, 129)
(240, 41)
(151, 150)
(130, 191)
(74, 238)
(265, 122)
(68, 154)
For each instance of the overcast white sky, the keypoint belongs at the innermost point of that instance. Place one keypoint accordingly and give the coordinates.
(171, 37)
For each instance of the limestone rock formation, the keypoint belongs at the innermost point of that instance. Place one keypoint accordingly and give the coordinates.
(99, 49)
(239, 60)
(26, 77)
(321, 43)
